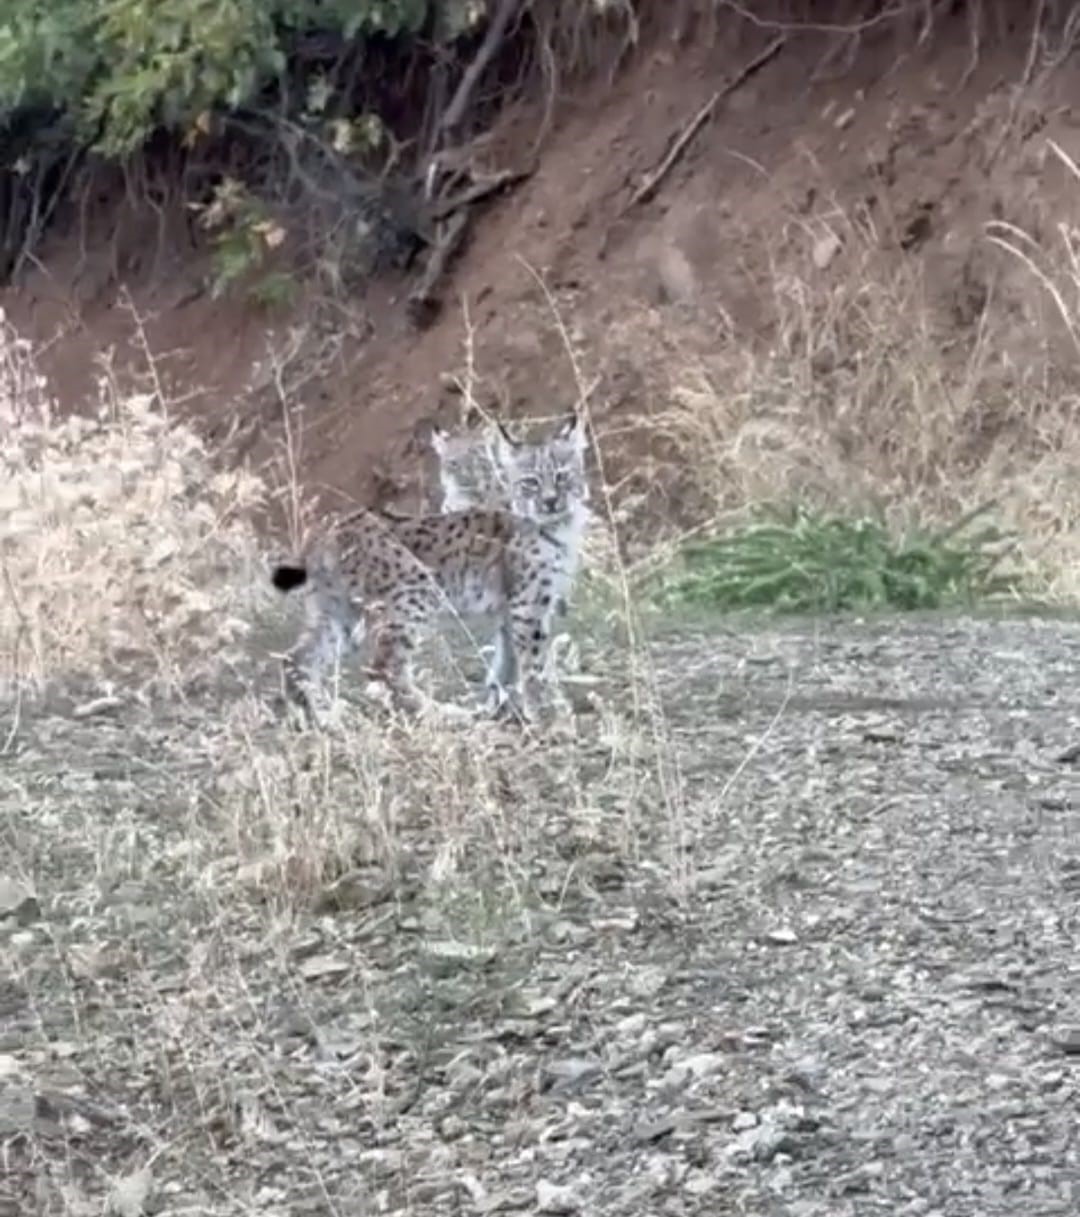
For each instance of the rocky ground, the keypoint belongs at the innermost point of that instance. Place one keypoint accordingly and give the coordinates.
(785, 924)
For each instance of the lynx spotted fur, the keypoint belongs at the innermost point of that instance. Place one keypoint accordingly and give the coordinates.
(390, 577)
(482, 468)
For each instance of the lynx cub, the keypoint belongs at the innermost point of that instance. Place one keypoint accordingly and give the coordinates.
(393, 575)
(476, 470)
(469, 472)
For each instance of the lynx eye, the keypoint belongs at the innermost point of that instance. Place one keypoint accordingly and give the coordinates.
(530, 485)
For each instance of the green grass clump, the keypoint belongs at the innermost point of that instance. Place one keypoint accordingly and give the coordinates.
(805, 561)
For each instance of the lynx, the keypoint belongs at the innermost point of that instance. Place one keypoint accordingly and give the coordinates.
(480, 468)
(469, 472)
(390, 576)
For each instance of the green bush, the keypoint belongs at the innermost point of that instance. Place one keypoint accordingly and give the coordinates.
(123, 68)
(801, 560)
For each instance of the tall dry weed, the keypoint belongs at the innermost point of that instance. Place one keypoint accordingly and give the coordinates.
(123, 552)
(865, 398)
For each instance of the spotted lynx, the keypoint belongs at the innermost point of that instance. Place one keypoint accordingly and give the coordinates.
(390, 576)
(477, 469)
(469, 472)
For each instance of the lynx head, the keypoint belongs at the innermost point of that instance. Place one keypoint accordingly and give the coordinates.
(468, 473)
(546, 479)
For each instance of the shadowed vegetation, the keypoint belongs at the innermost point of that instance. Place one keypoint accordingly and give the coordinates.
(805, 561)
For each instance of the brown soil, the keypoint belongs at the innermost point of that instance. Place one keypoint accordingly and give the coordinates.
(925, 144)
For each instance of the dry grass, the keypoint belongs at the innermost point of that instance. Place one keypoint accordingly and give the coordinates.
(125, 556)
(132, 569)
(179, 822)
(866, 398)
(423, 967)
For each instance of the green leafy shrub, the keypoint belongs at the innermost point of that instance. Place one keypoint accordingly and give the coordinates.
(802, 560)
(289, 96)
(125, 67)
(243, 236)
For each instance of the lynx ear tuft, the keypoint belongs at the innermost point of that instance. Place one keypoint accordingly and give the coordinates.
(572, 430)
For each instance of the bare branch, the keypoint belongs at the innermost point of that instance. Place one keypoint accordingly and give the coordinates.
(649, 187)
(423, 305)
(496, 32)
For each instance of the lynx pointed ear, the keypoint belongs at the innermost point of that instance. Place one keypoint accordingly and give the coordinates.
(572, 429)
(489, 438)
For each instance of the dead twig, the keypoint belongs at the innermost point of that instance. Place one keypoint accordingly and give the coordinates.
(819, 27)
(1019, 92)
(649, 187)
(423, 304)
(496, 32)
(975, 17)
(479, 190)
(451, 214)
(16, 684)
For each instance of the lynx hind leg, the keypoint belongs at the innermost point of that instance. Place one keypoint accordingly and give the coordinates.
(332, 632)
(401, 621)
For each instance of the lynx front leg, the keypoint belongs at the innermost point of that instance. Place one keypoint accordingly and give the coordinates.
(530, 636)
(502, 674)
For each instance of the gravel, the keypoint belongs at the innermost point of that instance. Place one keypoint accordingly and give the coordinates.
(803, 944)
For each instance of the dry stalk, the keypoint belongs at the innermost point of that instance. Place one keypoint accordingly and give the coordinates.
(666, 760)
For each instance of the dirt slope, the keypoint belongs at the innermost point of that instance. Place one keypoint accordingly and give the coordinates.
(922, 144)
